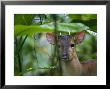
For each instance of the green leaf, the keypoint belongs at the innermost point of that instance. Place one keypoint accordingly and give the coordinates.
(62, 27)
(29, 30)
(67, 27)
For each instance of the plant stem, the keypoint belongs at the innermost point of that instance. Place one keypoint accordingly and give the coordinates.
(22, 43)
(20, 64)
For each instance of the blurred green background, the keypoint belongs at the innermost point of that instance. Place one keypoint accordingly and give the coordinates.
(33, 55)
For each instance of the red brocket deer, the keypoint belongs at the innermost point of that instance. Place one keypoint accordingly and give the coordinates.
(70, 64)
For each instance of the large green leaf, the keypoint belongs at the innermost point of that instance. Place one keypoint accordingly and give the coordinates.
(67, 27)
(61, 27)
(29, 30)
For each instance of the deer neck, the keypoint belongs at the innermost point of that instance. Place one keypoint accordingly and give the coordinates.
(71, 67)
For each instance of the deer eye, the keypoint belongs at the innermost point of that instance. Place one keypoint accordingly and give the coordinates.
(72, 45)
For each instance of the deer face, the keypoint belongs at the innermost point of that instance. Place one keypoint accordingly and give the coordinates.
(66, 43)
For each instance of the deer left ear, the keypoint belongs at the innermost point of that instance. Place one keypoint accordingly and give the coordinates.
(50, 37)
(79, 37)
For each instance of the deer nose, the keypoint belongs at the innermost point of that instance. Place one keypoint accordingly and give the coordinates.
(64, 56)
(64, 53)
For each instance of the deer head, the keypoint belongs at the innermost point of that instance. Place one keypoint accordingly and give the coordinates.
(66, 43)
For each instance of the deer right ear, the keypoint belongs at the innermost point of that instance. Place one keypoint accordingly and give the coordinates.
(79, 37)
(50, 37)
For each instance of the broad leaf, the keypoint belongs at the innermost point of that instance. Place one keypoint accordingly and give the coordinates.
(67, 27)
(29, 30)
(61, 27)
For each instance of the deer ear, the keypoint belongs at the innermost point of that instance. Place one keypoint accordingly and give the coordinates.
(79, 37)
(50, 37)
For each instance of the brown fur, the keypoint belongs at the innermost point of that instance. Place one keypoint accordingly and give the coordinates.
(76, 68)
(89, 67)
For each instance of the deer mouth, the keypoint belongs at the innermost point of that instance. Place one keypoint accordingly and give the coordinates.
(64, 57)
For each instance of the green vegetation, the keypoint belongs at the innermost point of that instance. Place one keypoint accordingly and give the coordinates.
(33, 55)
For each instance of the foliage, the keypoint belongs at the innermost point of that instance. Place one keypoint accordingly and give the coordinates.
(33, 55)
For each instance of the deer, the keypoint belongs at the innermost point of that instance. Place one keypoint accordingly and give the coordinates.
(70, 64)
